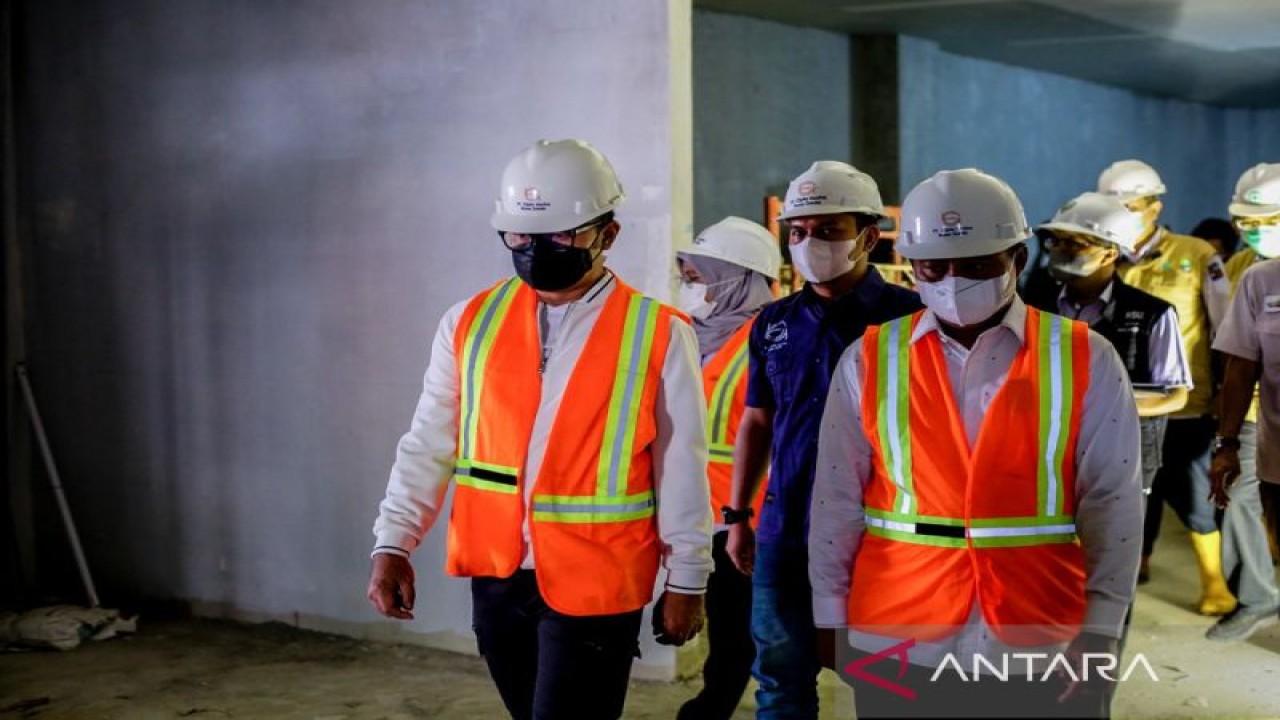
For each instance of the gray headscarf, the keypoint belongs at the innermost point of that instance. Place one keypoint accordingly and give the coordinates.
(740, 297)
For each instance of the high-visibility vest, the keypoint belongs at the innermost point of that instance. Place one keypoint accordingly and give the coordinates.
(592, 514)
(724, 381)
(1242, 260)
(947, 525)
(1175, 272)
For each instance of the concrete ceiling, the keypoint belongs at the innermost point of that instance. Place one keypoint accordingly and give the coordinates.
(1224, 52)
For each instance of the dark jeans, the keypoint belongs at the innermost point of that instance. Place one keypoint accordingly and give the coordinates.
(1183, 479)
(547, 664)
(786, 667)
(730, 649)
(951, 696)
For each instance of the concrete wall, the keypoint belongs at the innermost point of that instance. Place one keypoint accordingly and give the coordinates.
(1049, 136)
(768, 100)
(243, 222)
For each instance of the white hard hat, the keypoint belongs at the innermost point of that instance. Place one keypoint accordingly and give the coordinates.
(1257, 191)
(1099, 216)
(1130, 179)
(830, 187)
(741, 242)
(960, 213)
(553, 186)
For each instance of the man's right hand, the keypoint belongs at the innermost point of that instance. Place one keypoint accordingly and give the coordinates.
(741, 547)
(391, 586)
(1223, 472)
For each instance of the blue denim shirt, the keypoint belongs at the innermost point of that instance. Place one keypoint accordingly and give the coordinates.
(794, 346)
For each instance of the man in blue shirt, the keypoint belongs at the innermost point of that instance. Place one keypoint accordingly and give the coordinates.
(831, 213)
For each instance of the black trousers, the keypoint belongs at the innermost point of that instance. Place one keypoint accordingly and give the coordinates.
(548, 665)
(1183, 479)
(730, 649)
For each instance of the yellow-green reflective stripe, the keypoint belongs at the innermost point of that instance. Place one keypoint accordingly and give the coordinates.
(984, 528)
(905, 517)
(894, 362)
(475, 354)
(463, 464)
(1022, 521)
(909, 537)
(478, 484)
(624, 402)
(720, 453)
(722, 396)
(1024, 540)
(591, 509)
(1055, 409)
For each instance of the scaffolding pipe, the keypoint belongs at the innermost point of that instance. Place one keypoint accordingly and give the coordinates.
(55, 482)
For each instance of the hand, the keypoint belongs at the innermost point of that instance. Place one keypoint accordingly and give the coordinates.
(677, 617)
(391, 586)
(829, 640)
(741, 547)
(1093, 644)
(1223, 471)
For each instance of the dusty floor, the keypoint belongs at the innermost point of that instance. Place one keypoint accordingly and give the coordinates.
(210, 669)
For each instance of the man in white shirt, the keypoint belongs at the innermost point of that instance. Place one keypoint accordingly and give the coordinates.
(978, 493)
(568, 410)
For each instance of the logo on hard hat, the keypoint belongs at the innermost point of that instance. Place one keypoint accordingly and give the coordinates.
(532, 195)
(1254, 196)
(951, 217)
(808, 187)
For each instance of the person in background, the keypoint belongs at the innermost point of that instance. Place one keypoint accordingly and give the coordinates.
(1246, 495)
(1187, 273)
(1219, 233)
(727, 275)
(978, 490)
(566, 408)
(1083, 241)
(831, 213)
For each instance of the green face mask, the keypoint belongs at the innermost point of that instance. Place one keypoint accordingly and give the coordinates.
(1264, 240)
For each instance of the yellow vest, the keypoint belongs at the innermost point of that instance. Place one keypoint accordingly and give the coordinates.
(1174, 271)
(1244, 258)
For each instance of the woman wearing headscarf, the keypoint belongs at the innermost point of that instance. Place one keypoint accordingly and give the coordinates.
(727, 276)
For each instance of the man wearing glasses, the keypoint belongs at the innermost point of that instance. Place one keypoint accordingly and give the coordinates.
(567, 408)
(1248, 428)
(831, 212)
(1185, 272)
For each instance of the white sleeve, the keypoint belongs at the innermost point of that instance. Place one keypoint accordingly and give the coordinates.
(1108, 490)
(426, 453)
(836, 519)
(680, 466)
(1167, 353)
(1216, 292)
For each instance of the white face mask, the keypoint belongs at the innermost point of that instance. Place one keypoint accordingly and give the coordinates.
(821, 260)
(1264, 240)
(693, 300)
(963, 302)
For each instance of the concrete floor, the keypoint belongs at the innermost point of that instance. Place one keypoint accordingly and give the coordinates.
(214, 669)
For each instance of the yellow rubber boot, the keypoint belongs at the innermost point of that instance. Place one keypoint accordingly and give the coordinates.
(1215, 598)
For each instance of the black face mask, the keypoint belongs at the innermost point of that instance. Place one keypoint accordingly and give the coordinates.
(550, 266)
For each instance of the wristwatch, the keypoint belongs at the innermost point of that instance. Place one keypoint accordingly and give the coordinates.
(733, 517)
(1222, 443)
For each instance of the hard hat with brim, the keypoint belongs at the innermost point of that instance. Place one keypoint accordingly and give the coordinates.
(958, 214)
(555, 186)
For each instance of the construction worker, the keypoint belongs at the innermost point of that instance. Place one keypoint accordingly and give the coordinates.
(567, 408)
(978, 491)
(1245, 493)
(1084, 240)
(727, 275)
(831, 212)
(1188, 274)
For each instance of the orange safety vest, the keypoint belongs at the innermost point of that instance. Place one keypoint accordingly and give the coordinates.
(592, 516)
(724, 381)
(948, 525)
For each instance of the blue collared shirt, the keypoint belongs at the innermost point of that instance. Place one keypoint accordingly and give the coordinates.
(794, 346)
